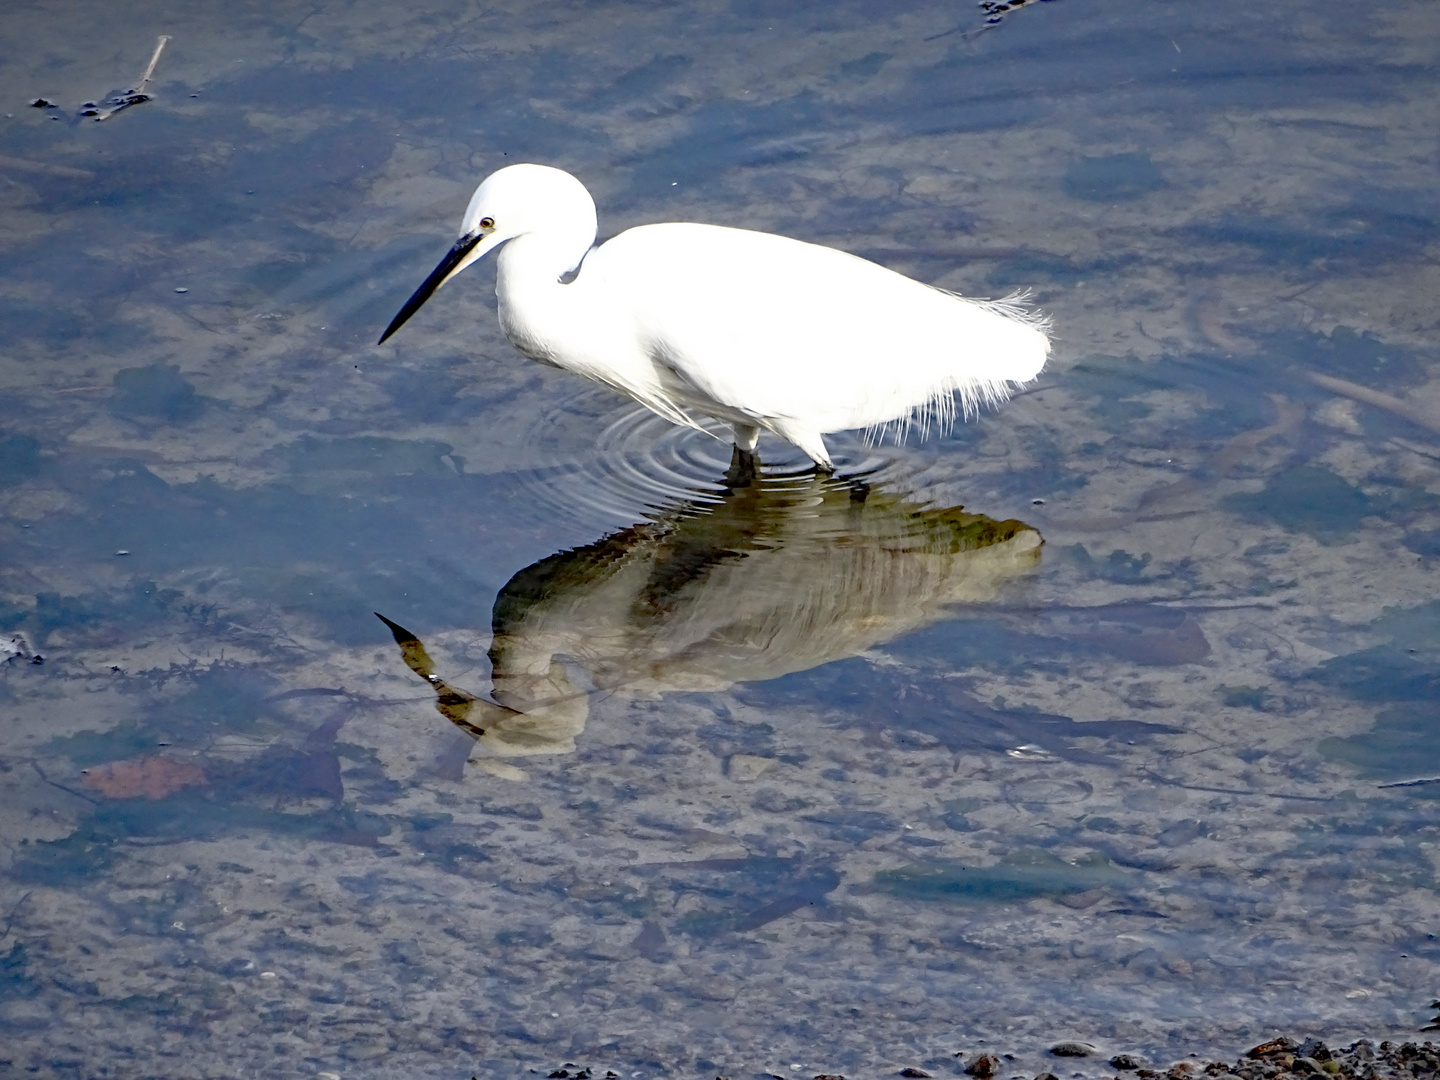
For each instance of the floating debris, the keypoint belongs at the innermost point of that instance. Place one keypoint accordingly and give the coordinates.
(1031, 752)
(134, 96)
(14, 647)
(995, 12)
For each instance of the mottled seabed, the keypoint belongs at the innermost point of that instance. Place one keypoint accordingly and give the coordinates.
(1167, 789)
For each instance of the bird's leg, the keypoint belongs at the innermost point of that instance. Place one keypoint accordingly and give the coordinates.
(744, 466)
(744, 463)
(746, 437)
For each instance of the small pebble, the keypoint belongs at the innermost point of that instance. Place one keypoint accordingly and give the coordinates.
(909, 1071)
(1072, 1049)
(982, 1066)
(182, 290)
(1125, 1062)
(1281, 1045)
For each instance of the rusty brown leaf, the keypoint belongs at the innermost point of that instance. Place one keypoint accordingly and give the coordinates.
(147, 777)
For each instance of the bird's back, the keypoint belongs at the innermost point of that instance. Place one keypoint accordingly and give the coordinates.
(776, 327)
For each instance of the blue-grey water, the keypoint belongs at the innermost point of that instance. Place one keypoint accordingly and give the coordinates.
(807, 776)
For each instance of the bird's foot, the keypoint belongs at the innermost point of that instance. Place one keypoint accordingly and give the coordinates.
(744, 467)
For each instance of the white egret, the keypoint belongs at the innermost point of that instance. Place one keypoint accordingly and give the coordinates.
(759, 331)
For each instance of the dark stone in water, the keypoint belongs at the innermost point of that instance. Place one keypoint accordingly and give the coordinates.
(1312, 500)
(155, 392)
(19, 458)
(15, 978)
(1019, 876)
(982, 1066)
(1282, 1045)
(1426, 544)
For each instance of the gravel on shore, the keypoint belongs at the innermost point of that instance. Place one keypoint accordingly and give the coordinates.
(1279, 1057)
(1361, 1060)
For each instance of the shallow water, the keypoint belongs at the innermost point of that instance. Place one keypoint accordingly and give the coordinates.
(800, 777)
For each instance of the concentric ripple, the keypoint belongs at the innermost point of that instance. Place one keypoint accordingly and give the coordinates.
(639, 465)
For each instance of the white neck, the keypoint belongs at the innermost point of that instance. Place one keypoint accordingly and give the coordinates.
(536, 310)
(586, 326)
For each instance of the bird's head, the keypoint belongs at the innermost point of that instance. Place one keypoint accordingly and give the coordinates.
(515, 201)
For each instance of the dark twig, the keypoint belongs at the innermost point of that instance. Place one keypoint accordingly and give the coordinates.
(9, 922)
(55, 783)
(1235, 791)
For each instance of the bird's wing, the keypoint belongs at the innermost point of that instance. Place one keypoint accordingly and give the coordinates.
(778, 328)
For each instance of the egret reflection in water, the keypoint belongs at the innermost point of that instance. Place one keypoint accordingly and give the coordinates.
(780, 575)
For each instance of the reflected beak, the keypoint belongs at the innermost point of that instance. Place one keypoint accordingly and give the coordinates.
(450, 264)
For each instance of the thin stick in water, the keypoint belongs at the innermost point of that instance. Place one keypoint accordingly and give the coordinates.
(1356, 392)
(134, 96)
(160, 44)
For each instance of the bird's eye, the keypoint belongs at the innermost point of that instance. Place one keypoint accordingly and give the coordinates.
(487, 222)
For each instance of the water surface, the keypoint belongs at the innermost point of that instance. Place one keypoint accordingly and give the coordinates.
(802, 776)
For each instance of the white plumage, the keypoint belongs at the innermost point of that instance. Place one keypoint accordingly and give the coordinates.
(760, 331)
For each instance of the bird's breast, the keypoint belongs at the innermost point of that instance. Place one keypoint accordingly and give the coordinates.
(527, 341)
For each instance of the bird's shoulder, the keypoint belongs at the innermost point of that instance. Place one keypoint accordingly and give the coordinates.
(696, 241)
(762, 267)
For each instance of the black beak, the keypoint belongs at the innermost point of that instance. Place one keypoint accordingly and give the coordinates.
(452, 259)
